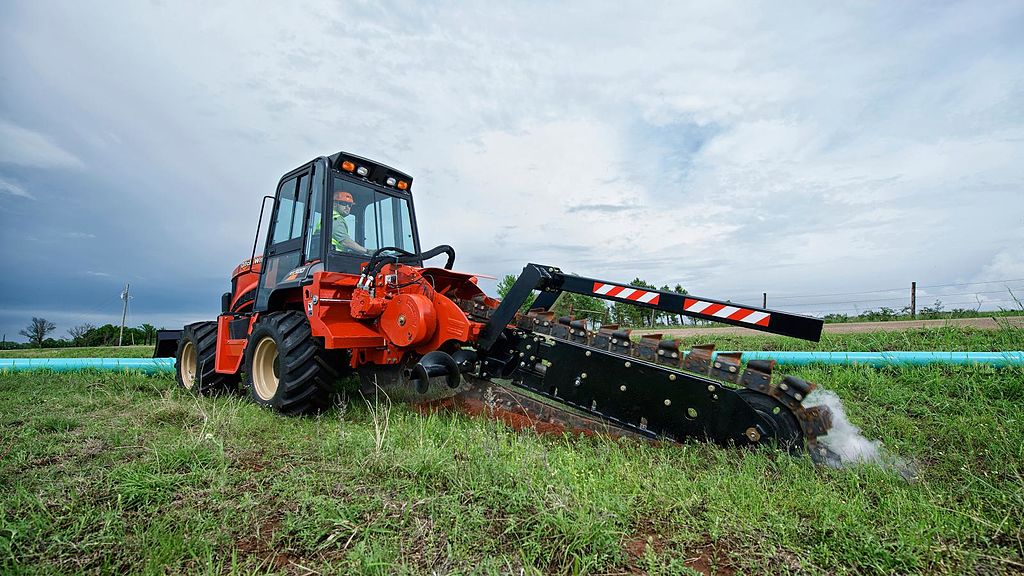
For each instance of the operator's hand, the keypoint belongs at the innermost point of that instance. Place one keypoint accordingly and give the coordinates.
(352, 246)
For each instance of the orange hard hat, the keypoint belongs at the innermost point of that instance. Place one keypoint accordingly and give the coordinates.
(342, 196)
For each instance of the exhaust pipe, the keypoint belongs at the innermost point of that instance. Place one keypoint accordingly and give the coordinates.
(435, 364)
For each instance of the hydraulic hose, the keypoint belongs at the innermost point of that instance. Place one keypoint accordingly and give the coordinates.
(380, 257)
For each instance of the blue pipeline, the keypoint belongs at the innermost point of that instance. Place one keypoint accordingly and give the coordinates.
(997, 359)
(147, 365)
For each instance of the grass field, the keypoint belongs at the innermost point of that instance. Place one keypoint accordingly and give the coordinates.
(104, 472)
(85, 352)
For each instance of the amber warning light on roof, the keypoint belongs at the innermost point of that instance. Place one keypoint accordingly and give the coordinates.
(391, 182)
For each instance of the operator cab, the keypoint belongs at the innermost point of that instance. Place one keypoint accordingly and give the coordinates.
(332, 214)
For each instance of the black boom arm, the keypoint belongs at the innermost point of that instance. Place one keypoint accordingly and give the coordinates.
(552, 282)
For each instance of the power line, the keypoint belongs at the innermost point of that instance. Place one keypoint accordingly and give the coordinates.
(860, 309)
(903, 289)
(974, 293)
(805, 304)
(900, 289)
(972, 283)
(954, 303)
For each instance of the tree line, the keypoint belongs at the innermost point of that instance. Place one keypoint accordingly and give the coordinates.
(39, 330)
(936, 311)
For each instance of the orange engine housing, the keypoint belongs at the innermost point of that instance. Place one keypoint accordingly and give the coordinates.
(409, 319)
(410, 310)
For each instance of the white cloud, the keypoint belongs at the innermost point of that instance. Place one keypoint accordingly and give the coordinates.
(14, 189)
(1007, 264)
(24, 147)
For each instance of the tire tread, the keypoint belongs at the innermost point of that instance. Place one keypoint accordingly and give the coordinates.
(307, 371)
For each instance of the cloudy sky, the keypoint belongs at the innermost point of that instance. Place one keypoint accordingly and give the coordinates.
(822, 153)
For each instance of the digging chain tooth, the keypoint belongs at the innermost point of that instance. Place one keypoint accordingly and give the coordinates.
(793, 390)
(526, 321)
(543, 321)
(603, 338)
(821, 454)
(578, 332)
(803, 387)
(699, 359)
(647, 347)
(621, 342)
(477, 309)
(758, 375)
(669, 354)
(815, 421)
(560, 329)
(727, 367)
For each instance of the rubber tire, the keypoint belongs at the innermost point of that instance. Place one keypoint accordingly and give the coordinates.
(783, 427)
(202, 336)
(305, 372)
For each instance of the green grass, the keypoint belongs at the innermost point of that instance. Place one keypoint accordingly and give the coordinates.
(85, 352)
(103, 472)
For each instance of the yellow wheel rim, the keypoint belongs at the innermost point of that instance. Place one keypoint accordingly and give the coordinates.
(264, 369)
(187, 365)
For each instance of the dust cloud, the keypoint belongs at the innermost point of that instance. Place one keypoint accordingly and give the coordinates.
(853, 448)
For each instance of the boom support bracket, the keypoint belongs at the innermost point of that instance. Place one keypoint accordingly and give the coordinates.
(552, 282)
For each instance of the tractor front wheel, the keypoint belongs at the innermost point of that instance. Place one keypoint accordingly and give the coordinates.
(286, 368)
(194, 361)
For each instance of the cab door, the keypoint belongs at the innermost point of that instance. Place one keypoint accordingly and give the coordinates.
(284, 252)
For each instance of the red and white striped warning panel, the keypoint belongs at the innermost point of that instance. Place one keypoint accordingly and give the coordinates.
(634, 294)
(737, 313)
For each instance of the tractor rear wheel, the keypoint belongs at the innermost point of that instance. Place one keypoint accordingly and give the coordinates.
(286, 368)
(194, 361)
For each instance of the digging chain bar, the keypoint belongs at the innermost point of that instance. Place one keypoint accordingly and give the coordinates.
(650, 387)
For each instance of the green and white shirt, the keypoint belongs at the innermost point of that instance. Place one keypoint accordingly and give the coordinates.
(339, 231)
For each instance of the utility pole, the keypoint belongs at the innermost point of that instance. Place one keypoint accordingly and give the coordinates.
(124, 313)
(913, 299)
(764, 299)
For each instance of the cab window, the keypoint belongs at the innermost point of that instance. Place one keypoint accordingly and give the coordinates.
(285, 212)
(376, 220)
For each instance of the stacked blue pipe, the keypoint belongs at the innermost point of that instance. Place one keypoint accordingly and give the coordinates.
(877, 359)
(147, 365)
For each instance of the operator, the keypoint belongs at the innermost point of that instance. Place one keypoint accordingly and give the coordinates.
(340, 238)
